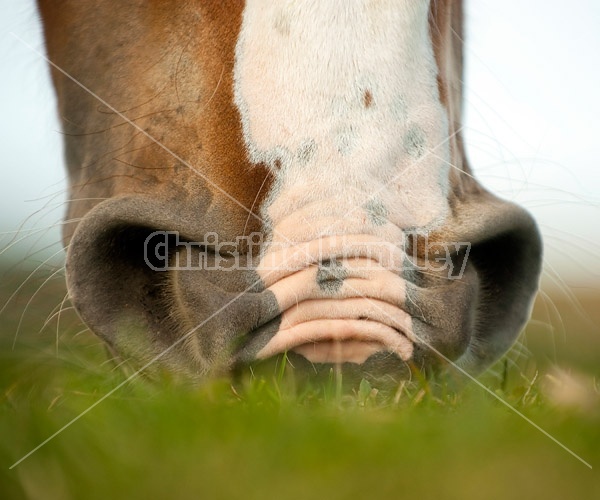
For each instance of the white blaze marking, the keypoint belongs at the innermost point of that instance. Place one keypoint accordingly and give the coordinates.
(340, 98)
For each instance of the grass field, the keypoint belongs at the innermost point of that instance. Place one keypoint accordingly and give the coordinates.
(264, 437)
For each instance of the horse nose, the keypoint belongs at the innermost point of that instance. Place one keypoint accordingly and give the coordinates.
(123, 281)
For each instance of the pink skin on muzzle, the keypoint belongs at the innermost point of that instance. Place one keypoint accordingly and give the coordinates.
(341, 299)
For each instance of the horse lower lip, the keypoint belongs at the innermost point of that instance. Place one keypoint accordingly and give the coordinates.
(347, 351)
(338, 340)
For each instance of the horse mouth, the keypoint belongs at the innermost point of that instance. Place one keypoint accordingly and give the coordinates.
(336, 352)
(339, 341)
(355, 303)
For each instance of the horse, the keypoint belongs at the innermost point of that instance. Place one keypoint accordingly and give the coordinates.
(256, 180)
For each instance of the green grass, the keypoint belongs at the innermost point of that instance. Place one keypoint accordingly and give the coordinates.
(267, 436)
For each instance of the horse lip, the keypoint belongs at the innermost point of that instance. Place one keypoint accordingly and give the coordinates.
(338, 340)
(347, 351)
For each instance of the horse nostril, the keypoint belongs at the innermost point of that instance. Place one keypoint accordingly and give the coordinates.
(110, 280)
(505, 253)
(132, 286)
(116, 279)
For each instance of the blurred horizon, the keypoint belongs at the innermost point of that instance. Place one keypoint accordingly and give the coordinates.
(530, 123)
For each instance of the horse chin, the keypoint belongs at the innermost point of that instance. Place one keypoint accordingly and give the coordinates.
(383, 370)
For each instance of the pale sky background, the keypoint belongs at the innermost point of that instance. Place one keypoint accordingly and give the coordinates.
(532, 126)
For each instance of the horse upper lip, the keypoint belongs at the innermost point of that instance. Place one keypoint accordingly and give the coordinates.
(338, 331)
